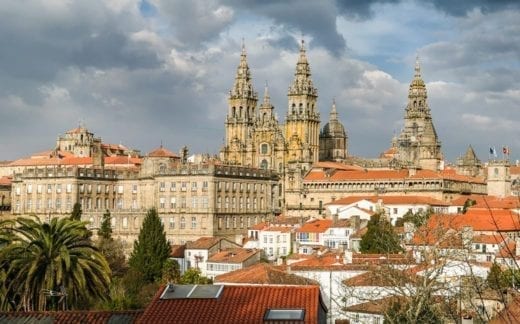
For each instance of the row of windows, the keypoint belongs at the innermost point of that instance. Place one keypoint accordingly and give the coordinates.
(240, 186)
(233, 222)
(279, 239)
(372, 185)
(41, 188)
(40, 204)
(182, 202)
(241, 203)
(183, 186)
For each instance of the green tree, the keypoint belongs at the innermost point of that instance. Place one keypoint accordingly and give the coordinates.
(193, 276)
(380, 236)
(76, 212)
(105, 230)
(171, 272)
(53, 256)
(151, 248)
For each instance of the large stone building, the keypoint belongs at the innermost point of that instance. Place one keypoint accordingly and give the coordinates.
(192, 199)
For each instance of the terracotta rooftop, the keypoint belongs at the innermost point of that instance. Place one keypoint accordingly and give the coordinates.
(488, 239)
(317, 174)
(162, 152)
(315, 226)
(66, 317)
(263, 273)
(510, 314)
(369, 279)
(391, 200)
(204, 243)
(508, 250)
(378, 306)
(177, 251)
(5, 181)
(236, 255)
(236, 304)
(72, 160)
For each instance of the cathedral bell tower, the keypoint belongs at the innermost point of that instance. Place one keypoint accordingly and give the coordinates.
(302, 125)
(240, 117)
(418, 144)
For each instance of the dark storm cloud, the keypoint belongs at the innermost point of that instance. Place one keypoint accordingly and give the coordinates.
(37, 42)
(461, 8)
(312, 18)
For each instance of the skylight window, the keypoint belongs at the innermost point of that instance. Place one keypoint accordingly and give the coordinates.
(278, 314)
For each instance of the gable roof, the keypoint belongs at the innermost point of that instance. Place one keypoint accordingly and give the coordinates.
(162, 152)
(315, 226)
(206, 242)
(236, 304)
(263, 273)
(236, 255)
(66, 317)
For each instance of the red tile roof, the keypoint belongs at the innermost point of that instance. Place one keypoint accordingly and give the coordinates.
(206, 242)
(5, 181)
(66, 317)
(177, 251)
(263, 273)
(162, 152)
(508, 250)
(391, 200)
(315, 226)
(236, 255)
(488, 239)
(510, 314)
(236, 304)
(341, 175)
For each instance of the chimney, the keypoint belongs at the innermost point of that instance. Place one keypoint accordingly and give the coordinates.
(356, 222)
(348, 257)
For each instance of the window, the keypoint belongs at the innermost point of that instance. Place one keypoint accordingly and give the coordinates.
(49, 188)
(29, 204)
(29, 188)
(183, 186)
(134, 203)
(134, 188)
(171, 222)
(173, 203)
(69, 203)
(98, 203)
(193, 186)
(112, 222)
(183, 222)
(173, 186)
(120, 203)
(204, 186)
(38, 204)
(120, 189)
(125, 222)
(98, 188)
(264, 164)
(161, 202)
(162, 186)
(39, 188)
(193, 222)
(89, 188)
(264, 148)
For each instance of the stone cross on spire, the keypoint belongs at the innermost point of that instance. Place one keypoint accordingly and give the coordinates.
(417, 67)
(333, 111)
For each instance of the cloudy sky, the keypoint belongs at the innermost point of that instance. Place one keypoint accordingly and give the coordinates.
(139, 72)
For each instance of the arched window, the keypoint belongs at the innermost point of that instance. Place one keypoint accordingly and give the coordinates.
(233, 112)
(240, 112)
(264, 164)
(162, 168)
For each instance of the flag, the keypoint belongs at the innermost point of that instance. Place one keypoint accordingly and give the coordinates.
(505, 150)
(493, 151)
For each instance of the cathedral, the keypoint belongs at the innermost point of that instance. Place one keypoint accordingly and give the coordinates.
(254, 137)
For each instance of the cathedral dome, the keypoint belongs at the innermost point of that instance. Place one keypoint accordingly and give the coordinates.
(333, 128)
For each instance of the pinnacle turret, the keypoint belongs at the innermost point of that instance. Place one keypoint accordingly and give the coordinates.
(243, 86)
(302, 84)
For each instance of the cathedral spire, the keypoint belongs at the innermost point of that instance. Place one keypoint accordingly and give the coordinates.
(243, 86)
(302, 84)
(267, 98)
(417, 67)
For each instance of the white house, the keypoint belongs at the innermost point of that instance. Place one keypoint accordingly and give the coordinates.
(197, 252)
(393, 206)
(230, 260)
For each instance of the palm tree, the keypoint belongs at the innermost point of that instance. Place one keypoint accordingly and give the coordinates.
(53, 259)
